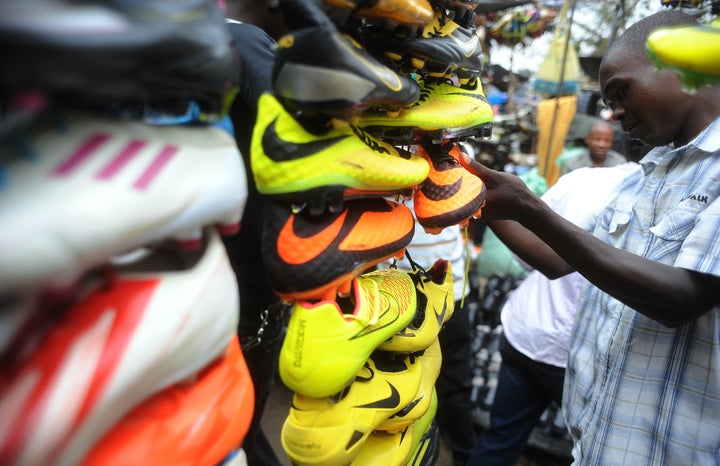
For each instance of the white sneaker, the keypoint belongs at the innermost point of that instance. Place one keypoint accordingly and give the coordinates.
(118, 346)
(91, 188)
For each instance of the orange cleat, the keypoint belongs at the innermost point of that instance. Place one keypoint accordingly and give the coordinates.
(188, 424)
(313, 257)
(409, 12)
(450, 195)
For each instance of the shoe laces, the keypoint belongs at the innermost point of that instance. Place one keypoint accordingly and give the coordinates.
(435, 28)
(370, 141)
(440, 154)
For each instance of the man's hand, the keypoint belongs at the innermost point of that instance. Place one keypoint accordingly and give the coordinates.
(507, 198)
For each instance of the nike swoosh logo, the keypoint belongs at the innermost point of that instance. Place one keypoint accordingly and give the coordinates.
(386, 75)
(296, 250)
(406, 410)
(468, 48)
(282, 151)
(390, 402)
(367, 330)
(441, 317)
(438, 192)
(468, 94)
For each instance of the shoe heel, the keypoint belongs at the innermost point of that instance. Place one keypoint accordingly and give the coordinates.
(227, 229)
(191, 240)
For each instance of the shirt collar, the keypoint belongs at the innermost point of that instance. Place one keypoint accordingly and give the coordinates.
(708, 141)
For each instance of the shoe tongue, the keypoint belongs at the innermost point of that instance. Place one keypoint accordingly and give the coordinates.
(440, 154)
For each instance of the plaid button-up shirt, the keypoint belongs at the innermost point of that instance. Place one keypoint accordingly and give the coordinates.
(637, 392)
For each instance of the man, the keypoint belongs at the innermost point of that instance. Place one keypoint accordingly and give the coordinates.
(597, 153)
(642, 384)
(537, 321)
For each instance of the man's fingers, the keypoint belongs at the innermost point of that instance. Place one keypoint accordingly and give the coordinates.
(473, 166)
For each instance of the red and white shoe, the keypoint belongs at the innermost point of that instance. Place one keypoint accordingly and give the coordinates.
(121, 344)
(89, 188)
(188, 424)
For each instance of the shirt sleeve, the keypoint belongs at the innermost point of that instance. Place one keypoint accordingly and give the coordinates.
(700, 251)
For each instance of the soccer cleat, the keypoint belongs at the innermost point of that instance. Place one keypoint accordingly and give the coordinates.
(430, 360)
(320, 70)
(692, 52)
(328, 342)
(122, 50)
(312, 257)
(435, 306)
(407, 12)
(331, 431)
(385, 448)
(426, 438)
(293, 165)
(120, 344)
(88, 188)
(450, 195)
(190, 423)
(443, 48)
(405, 447)
(443, 111)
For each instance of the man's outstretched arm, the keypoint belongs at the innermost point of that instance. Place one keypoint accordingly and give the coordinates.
(671, 295)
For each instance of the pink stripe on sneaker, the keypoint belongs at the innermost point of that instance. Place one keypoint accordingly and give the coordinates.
(155, 167)
(120, 160)
(82, 153)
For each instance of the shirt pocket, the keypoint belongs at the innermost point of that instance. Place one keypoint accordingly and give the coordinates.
(616, 221)
(676, 225)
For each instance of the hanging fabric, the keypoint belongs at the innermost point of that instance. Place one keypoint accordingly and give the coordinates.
(554, 117)
(559, 71)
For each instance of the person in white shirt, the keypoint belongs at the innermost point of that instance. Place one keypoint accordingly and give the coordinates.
(597, 152)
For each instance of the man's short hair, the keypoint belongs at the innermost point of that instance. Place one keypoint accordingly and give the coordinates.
(633, 40)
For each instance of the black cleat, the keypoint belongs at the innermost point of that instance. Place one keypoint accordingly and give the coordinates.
(320, 70)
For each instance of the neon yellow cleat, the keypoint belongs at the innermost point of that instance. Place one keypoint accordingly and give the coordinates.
(426, 438)
(414, 445)
(291, 164)
(326, 344)
(430, 360)
(436, 302)
(692, 52)
(331, 431)
(451, 111)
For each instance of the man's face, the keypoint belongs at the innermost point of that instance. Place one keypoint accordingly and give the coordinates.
(650, 105)
(599, 140)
